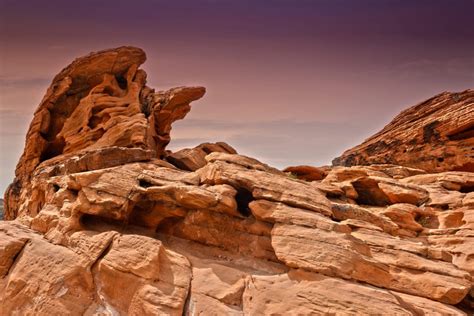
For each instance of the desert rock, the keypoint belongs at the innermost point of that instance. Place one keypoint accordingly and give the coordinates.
(435, 135)
(103, 220)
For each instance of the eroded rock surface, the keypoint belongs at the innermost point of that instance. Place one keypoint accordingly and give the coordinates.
(435, 135)
(113, 224)
(99, 101)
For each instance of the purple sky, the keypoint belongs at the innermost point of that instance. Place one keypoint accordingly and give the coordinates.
(288, 82)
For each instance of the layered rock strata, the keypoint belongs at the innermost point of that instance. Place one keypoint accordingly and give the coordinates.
(435, 135)
(117, 225)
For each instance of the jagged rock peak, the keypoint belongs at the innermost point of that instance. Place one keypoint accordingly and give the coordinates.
(435, 135)
(99, 101)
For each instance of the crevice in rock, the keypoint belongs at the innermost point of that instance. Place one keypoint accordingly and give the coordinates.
(104, 252)
(467, 188)
(243, 199)
(17, 256)
(53, 149)
(369, 192)
(463, 132)
(407, 306)
(93, 270)
(188, 308)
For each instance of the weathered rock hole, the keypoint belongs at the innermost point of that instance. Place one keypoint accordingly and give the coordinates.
(53, 149)
(243, 199)
(122, 82)
(369, 193)
(430, 133)
(93, 122)
(467, 188)
(444, 207)
(144, 183)
(56, 187)
(428, 221)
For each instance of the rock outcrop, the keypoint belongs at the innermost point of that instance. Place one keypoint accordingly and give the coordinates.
(114, 224)
(99, 101)
(307, 173)
(435, 135)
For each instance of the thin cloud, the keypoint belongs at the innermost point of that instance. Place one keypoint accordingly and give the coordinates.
(12, 82)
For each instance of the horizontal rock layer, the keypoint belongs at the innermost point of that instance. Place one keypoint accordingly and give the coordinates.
(234, 226)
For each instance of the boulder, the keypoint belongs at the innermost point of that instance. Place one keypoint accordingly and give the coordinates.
(192, 159)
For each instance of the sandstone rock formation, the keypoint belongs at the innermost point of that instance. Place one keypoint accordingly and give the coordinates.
(99, 101)
(307, 173)
(192, 159)
(435, 135)
(113, 224)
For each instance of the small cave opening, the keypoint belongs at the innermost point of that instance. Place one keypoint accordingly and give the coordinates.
(243, 199)
(145, 184)
(74, 192)
(369, 192)
(93, 122)
(56, 187)
(53, 149)
(122, 81)
(467, 188)
(444, 207)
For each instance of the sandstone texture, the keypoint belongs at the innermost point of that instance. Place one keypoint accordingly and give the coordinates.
(435, 135)
(103, 220)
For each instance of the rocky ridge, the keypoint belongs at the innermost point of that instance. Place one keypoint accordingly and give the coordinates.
(106, 221)
(435, 135)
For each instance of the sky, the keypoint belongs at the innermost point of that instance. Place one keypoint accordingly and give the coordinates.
(288, 82)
